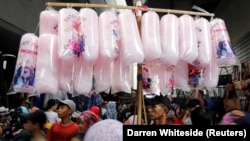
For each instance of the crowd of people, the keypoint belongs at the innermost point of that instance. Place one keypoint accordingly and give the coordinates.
(57, 123)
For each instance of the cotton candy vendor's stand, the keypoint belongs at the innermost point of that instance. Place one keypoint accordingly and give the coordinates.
(132, 43)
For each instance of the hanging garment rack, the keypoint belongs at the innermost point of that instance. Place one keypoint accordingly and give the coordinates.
(141, 8)
(138, 9)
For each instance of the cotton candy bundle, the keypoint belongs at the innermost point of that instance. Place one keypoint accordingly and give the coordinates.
(150, 79)
(89, 39)
(47, 64)
(102, 75)
(150, 36)
(68, 28)
(24, 76)
(109, 35)
(181, 75)
(121, 78)
(203, 34)
(211, 75)
(169, 39)
(83, 76)
(130, 37)
(66, 75)
(166, 79)
(222, 43)
(188, 41)
(48, 22)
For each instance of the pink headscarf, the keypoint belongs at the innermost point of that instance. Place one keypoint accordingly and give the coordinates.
(87, 117)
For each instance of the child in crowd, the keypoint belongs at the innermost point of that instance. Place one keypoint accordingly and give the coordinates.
(64, 130)
(85, 120)
(34, 123)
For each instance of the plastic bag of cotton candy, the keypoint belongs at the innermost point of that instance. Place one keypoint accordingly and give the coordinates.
(108, 130)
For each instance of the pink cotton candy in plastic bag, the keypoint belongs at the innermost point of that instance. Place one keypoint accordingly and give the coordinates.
(221, 41)
(169, 32)
(110, 41)
(121, 77)
(211, 75)
(68, 34)
(102, 75)
(48, 22)
(203, 34)
(130, 38)
(150, 36)
(181, 75)
(89, 39)
(166, 79)
(188, 41)
(47, 64)
(150, 79)
(83, 76)
(66, 75)
(24, 76)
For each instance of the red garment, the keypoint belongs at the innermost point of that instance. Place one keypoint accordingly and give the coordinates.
(62, 133)
(177, 121)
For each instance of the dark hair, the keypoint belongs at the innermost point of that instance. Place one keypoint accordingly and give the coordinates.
(79, 135)
(51, 103)
(201, 116)
(193, 103)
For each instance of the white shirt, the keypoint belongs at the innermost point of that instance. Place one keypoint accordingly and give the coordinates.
(52, 117)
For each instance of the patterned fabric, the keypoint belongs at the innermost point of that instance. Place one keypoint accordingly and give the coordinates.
(87, 117)
(236, 117)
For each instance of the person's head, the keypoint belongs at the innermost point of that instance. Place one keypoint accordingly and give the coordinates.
(95, 110)
(33, 109)
(236, 117)
(176, 108)
(201, 116)
(34, 121)
(78, 136)
(66, 108)
(24, 101)
(85, 120)
(157, 107)
(52, 104)
(105, 130)
(192, 104)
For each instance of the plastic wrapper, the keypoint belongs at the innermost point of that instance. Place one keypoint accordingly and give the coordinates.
(194, 75)
(203, 34)
(66, 75)
(68, 34)
(24, 75)
(150, 36)
(121, 77)
(83, 76)
(169, 31)
(181, 76)
(102, 75)
(109, 34)
(46, 80)
(188, 41)
(221, 41)
(89, 39)
(166, 79)
(150, 80)
(211, 75)
(48, 21)
(130, 38)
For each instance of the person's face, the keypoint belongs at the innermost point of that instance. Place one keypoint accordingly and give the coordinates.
(156, 111)
(82, 126)
(63, 111)
(29, 125)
